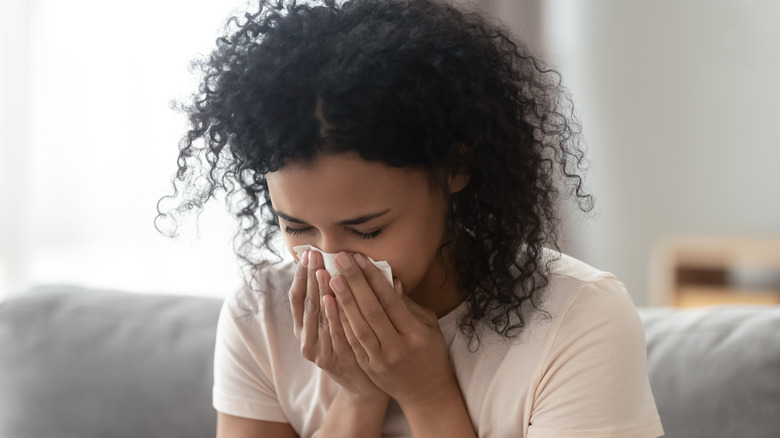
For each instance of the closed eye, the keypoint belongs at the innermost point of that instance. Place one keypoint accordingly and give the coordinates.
(295, 231)
(298, 231)
(371, 235)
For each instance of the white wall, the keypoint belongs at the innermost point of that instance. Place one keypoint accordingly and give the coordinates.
(88, 145)
(679, 99)
(681, 106)
(14, 118)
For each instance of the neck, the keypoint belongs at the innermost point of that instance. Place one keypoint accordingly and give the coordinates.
(438, 291)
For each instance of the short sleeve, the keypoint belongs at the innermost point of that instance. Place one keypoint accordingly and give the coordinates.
(243, 385)
(593, 380)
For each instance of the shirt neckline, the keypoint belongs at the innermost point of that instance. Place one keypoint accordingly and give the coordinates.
(449, 321)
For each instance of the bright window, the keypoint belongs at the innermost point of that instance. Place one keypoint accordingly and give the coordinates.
(89, 145)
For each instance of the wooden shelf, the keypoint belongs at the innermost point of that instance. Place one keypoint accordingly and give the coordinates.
(699, 296)
(694, 272)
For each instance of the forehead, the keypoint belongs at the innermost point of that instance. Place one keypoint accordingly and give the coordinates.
(342, 185)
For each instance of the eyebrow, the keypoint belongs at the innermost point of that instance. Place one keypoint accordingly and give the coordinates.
(354, 221)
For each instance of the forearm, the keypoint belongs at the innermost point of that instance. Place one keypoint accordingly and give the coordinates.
(350, 416)
(444, 415)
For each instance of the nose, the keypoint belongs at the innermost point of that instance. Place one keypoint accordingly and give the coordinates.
(332, 244)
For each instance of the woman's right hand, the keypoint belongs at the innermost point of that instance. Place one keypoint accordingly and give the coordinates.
(318, 326)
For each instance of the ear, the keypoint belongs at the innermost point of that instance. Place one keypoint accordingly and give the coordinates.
(457, 182)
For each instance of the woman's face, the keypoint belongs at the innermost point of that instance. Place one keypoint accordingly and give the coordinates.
(345, 203)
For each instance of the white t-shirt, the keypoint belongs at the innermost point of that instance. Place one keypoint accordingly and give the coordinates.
(578, 372)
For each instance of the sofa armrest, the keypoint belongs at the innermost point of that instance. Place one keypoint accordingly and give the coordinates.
(715, 372)
(88, 363)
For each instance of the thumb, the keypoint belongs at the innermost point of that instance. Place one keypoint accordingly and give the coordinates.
(416, 309)
(423, 314)
(398, 286)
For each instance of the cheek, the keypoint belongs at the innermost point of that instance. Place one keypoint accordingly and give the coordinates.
(413, 257)
(411, 269)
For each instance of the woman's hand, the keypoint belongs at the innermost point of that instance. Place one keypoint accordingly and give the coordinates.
(400, 346)
(397, 343)
(318, 327)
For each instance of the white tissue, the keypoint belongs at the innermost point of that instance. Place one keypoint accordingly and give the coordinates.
(330, 261)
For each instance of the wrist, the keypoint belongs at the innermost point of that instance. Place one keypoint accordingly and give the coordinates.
(355, 415)
(377, 399)
(430, 394)
(431, 399)
(443, 413)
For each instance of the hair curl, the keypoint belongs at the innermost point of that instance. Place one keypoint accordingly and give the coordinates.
(408, 83)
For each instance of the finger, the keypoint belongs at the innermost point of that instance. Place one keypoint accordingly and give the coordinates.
(339, 340)
(367, 296)
(358, 326)
(352, 340)
(323, 330)
(389, 297)
(298, 293)
(311, 307)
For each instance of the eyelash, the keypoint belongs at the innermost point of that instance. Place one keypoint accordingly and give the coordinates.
(298, 231)
(371, 235)
(294, 231)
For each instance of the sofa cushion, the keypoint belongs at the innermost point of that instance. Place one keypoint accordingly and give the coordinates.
(715, 372)
(96, 363)
(88, 363)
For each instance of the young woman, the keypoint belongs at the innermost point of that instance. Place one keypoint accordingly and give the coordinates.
(409, 132)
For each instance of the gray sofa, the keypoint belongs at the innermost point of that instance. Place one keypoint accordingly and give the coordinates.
(85, 363)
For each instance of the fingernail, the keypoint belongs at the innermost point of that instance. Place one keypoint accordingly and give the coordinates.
(304, 259)
(344, 260)
(361, 260)
(321, 278)
(328, 305)
(337, 284)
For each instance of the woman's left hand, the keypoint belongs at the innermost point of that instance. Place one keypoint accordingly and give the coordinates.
(397, 342)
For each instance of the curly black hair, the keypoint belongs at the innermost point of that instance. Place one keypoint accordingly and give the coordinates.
(408, 83)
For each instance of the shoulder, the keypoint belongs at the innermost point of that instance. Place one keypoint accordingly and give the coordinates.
(268, 291)
(249, 313)
(592, 373)
(566, 267)
(575, 286)
(254, 338)
(587, 305)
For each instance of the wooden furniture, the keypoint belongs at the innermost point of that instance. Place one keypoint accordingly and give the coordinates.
(693, 272)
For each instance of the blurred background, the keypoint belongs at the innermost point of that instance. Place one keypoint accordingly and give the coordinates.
(679, 101)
